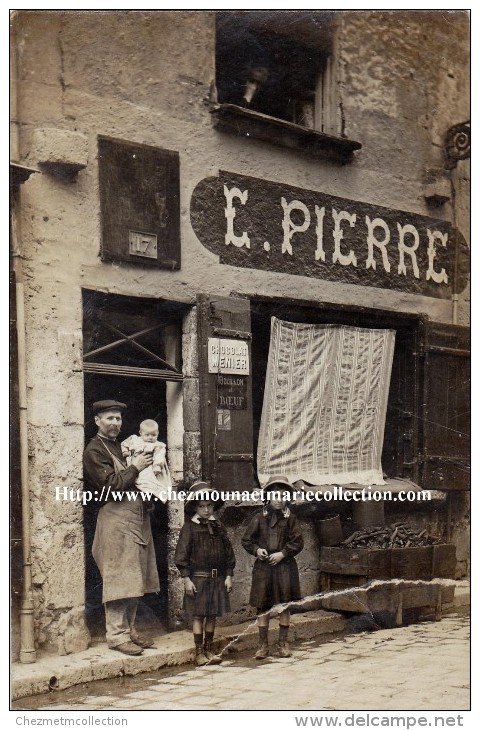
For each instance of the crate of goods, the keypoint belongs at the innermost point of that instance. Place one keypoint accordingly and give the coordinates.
(345, 567)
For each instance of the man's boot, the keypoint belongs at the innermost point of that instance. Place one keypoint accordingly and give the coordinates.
(262, 650)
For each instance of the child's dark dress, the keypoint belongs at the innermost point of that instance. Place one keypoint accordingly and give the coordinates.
(205, 555)
(275, 531)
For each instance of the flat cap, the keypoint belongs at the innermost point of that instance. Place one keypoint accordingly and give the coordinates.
(107, 405)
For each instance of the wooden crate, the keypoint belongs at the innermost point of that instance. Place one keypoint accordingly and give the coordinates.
(412, 563)
(339, 581)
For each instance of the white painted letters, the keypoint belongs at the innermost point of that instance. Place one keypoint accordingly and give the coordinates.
(230, 236)
(338, 236)
(397, 257)
(410, 250)
(289, 227)
(438, 278)
(372, 241)
(320, 213)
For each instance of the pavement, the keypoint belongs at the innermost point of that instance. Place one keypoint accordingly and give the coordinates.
(175, 649)
(419, 667)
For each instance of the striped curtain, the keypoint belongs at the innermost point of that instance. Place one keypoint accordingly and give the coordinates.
(325, 403)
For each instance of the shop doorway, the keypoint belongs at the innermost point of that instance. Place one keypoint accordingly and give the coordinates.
(132, 349)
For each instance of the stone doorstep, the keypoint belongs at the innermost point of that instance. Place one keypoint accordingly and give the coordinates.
(52, 672)
(175, 649)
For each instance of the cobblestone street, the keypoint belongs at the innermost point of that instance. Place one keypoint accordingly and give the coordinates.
(419, 667)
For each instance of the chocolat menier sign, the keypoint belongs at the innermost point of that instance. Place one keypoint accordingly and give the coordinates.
(254, 223)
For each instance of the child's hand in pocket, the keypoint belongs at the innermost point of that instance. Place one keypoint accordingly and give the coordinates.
(275, 558)
(190, 589)
(228, 583)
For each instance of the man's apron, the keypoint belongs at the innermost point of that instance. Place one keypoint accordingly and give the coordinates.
(123, 547)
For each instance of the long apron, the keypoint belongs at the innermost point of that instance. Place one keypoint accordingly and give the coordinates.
(123, 549)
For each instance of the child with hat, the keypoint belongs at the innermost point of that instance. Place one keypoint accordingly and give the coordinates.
(273, 536)
(205, 559)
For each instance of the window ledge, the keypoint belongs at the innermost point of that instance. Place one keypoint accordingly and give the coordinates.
(249, 123)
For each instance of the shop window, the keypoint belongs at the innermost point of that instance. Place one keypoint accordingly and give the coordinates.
(427, 425)
(279, 66)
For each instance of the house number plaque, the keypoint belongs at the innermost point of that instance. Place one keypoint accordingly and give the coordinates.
(142, 244)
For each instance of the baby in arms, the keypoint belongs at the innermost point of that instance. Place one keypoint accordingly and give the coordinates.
(155, 479)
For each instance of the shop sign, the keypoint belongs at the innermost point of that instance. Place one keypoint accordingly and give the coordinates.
(232, 392)
(228, 356)
(258, 224)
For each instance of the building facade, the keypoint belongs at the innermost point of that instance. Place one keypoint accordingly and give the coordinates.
(178, 179)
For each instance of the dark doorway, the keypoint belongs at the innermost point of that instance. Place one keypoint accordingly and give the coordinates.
(145, 399)
(132, 347)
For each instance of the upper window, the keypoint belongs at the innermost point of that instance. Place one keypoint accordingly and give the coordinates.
(279, 63)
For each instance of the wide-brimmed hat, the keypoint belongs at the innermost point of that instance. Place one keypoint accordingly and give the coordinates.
(108, 405)
(202, 490)
(278, 483)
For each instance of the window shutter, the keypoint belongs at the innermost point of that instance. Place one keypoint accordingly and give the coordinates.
(400, 446)
(445, 422)
(139, 203)
(226, 397)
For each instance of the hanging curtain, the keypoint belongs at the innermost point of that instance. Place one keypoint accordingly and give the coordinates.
(325, 403)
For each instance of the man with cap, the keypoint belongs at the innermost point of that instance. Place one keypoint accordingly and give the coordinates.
(123, 546)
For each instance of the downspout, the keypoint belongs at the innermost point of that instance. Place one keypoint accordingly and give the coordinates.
(455, 269)
(28, 653)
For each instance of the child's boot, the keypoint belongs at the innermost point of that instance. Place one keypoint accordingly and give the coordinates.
(262, 650)
(283, 649)
(200, 658)
(207, 649)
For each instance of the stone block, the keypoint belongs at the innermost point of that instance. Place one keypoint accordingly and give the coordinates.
(44, 103)
(144, 663)
(69, 676)
(192, 449)
(60, 553)
(175, 462)
(438, 192)
(104, 670)
(316, 623)
(461, 538)
(70, 349)
(72, 410)
(60, 147)
(28, 681)
(73, 634)
(462, 594)
(190, 354)
(190, 322)
(191, 404)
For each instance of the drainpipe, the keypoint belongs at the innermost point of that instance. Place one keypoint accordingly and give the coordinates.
(28, 653)
(455, 270)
